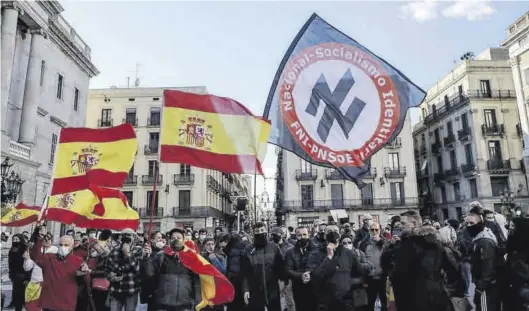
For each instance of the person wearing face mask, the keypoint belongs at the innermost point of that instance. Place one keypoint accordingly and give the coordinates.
(319, 237)
(176, 288)
(202, 235)
(233, 247)
(17, 274)
(484, 261)
(59, 274)
(263, 267)
(157, 245)
(122, 268)
(333, 273)
(279, 236)
(376, 281)
(211, 255)
(363, 233)
(96, 264)
(297, 269)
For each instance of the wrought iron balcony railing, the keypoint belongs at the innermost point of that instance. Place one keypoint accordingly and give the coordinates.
(390, 172)
(464, 133)
(150, 149)
(493, 129)
(131, 121)
(131, 180)
(146, 212)
(352, 204)
(449, 140)
(306, 174)
(105, 122)
(499, 166)
(184, 179)
(149, 179)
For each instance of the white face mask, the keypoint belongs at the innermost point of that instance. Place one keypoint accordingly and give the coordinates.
(202, 236)
(160, 244)
(94, 254)
(348, 246)
(63, 251)
(92, 235)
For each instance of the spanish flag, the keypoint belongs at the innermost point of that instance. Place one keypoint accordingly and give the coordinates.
(212, 132)
(215, 287)
(96, 207)
(21, 215)
(99, 156)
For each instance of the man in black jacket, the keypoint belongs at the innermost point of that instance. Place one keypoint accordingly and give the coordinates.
(363, 232)
(233, 247)
(484, 261)
(176, 288)
(298, 271)
(263, 267)
(333, 271)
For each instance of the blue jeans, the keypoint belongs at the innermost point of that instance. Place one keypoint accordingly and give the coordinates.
(466, 270)
(127, 303)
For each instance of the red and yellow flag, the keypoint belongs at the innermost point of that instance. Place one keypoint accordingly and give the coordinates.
(21, 215)
(99, 156)
(215, 287)
(95, 207)
(212, 132)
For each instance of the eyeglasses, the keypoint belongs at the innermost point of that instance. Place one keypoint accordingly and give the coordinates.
(346, 243)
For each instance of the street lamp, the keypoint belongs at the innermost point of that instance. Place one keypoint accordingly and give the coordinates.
(11, 182)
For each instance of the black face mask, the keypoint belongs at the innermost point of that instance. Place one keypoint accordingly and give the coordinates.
(347, 230)
(474, 230)
(303, 242)
(321, 237)
(332, 237)
(260, 239)
(15, 244)
(276, 238)
(176, 244)
(396, 232)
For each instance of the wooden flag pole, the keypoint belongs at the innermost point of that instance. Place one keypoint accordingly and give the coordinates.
(255, 194)
(154, 195)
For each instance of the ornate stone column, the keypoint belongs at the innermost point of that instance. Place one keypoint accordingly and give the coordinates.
(522, 110)
(32, 90)
(10, 14)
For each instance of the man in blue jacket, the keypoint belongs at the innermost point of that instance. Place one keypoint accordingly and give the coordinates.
(214, 258)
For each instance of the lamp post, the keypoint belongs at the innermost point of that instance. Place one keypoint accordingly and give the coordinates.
(11, 182)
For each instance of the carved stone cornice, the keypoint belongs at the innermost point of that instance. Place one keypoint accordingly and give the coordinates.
(514, 61)
(13, 6)
(39, 31)
(58, 121)
(52, 7)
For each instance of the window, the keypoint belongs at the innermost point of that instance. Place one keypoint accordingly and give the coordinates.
(460, 90)
(447, 101)
(154, 118)
(53, 146)
(337, 195)
(436, 136)
(397, 193)
(154, 140)
(106, 117)
(128, 195)
(307, 196)
(490, 117)
(185, 169)
(464, 121)
(394, 163)
(459, 212)
(306, 167)
(60, 85)
(184, 199)
(499, 184)
(149, 200)
(494, 151)
(457, 191)
(75, 99)
(473, 188)
(424, 113)
(367, 194)
(468, 154)
(443, 194)
(484, 87)
(440, 167)
(453, 159)
(449, 128)
(132, 99)
(42, 72)
(130, 116)
(445, 213)
(155, 99)
(152, 165)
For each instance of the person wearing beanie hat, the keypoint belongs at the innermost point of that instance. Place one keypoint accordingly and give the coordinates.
(484, 259)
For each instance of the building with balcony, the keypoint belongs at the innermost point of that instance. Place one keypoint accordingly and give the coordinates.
(305, 192)
(467, 144)
(518, 44)
(45, 72)
(186, 196)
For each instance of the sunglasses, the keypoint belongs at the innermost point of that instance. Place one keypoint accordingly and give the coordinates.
(346, 243)
(374, 230)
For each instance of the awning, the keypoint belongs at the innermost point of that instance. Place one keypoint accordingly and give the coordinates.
(338, 214)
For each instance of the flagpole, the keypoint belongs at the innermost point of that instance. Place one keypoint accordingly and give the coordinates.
(154, 195)
(255, 194)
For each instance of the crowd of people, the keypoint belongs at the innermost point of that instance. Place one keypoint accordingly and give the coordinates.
(406, 265)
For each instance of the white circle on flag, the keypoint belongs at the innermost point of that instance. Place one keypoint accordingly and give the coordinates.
(363, 89)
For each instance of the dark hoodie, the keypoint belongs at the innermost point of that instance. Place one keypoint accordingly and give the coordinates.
(417, 279)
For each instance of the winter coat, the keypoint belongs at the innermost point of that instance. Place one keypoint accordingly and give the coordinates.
(417, 279)
(175, 285)
(16, 263)
(297, 262)
(285, 247)
(263, 268)
(455, 282)
(484, 259)
(501, 239)
(464, 244)
(373, 250)
(360, 236)
(234, 251)
(334, 279)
